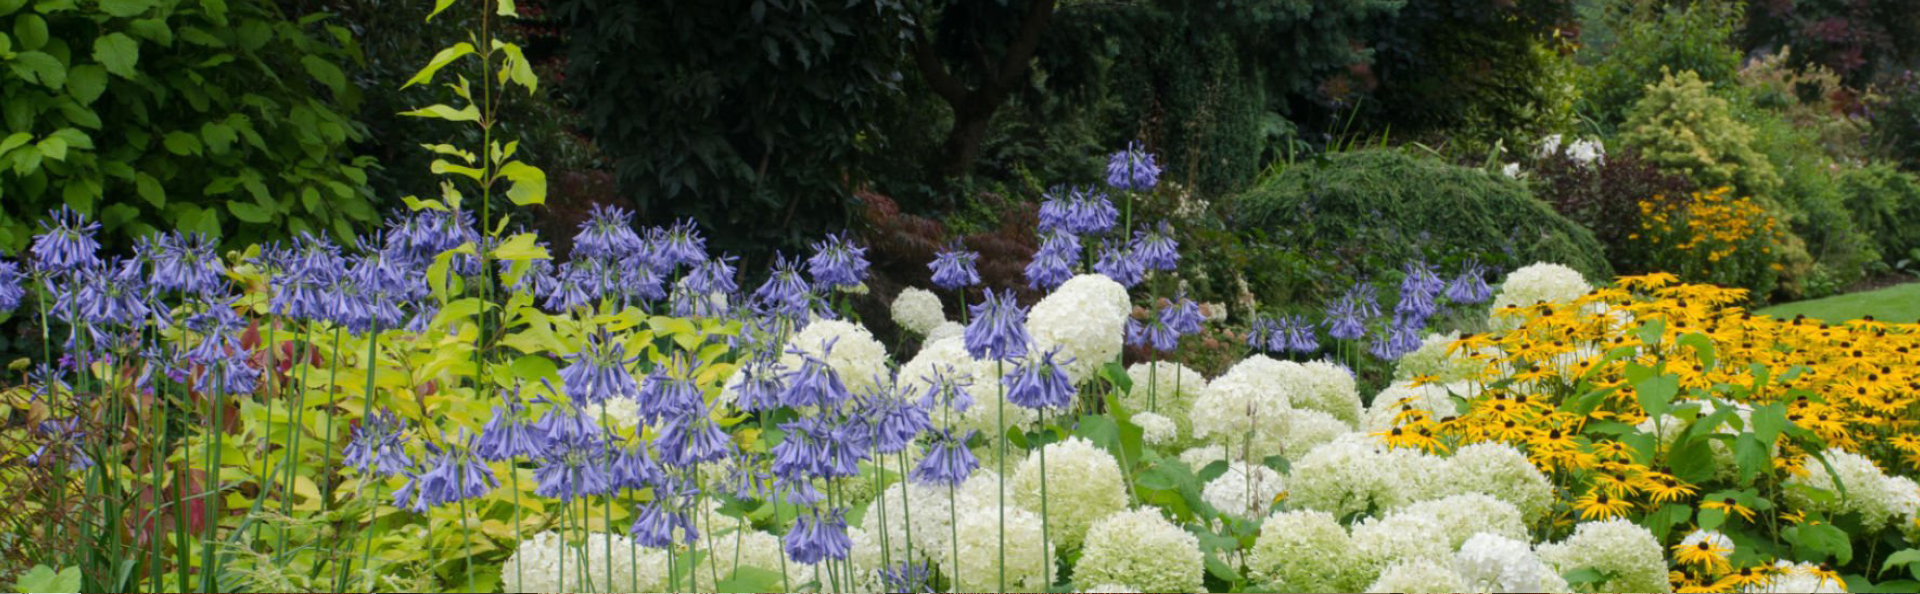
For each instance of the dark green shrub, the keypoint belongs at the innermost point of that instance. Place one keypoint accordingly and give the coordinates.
(1605, 197)
(219, 117)
(1372, 210)
(1896, 121)
(1885, 203)
(1647, 38)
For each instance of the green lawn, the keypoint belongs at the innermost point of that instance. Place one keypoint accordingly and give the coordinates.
(1898, 303)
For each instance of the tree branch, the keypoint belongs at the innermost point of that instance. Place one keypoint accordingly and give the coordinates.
(942, 82)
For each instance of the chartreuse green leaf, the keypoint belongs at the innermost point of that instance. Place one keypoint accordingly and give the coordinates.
(118, 53)
(529, 183)
(440, 60)
(44, 579)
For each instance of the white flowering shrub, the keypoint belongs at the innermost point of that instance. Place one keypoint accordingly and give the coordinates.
(1305, 551)
(918, 310)
(1143, 551)
(1617, 547)
(859, 359)
(1083, 485)
(1086, 319)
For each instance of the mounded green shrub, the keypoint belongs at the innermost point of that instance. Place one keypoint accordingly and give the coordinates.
(1885, 203)
(1386, 206)
(1681, 126)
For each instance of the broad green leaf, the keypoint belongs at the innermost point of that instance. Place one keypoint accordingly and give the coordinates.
(40, 67)
(150, 190)
(521, 247)
(216, 10)
(43, 579)
(87, 82)
(1768, 421)
(250, 213)
(515, 68)
(13, 141)
(1817, 542)
(125, 8)
(53, 147)
(1692, 460)
(183, 144)
(439, 5)
(118, 53)
(440, 60)
(1750, 456)
(8, 7)
(1908, 557)
(326, 72)
(751, 579)
(445, 112)
(154, 30)
(529, 183)
(1702, 348)
(1656, 393)
(31, 31)
(219, 137)
(1662, 520)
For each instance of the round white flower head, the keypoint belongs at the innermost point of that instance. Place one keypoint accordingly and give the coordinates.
(1244, 406)
(948, 358)
(918, 310)
(1499, 470)
(1402, 397)
(535, 566)
(1242, 492)
(1419, 575)
(1801, 577)
(621, 413)
(928, 527)
(1616, 547)
(1431, 359)
(1356, 472)
(1304, 551)
(859, 359)
(1143, 551)
(1880, 501)
(1109, 589)
(946, 329)
(1199, 457)
(1167, 388)
(1083, 485)
(978, 568)
(1156, 429)
(1328, 388)
(1493, 563)
(1086, 318)
(1906, 499)
(1462, 516)
(1307, 429)
(1540, 282)
(1380, 542)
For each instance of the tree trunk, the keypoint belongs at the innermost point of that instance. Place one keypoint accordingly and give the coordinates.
(973, 108)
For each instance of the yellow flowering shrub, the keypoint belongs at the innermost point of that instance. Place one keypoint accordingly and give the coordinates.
(1713, 237)
(1669, 405)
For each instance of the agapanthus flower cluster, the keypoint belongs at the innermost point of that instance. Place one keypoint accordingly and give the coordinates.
(1133, 169)
(953, 267)
(1080, 211)
(1052, 264)
(837, 263)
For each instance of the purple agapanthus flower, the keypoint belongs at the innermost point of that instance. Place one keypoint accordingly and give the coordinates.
(510, 434)
(659, 520)
(607, 233)
(814, 383)
(1089, 212)
(818, 537)
(953, 267)
(713, 276)
(67, 244)
(378, 446)
(947, 389)
(1183, 315)
(1052, 264)
(998, 329)
(1470, 287)
(837, 262)
(1154, 333)
(694, 438)
(1156, 247)
(186, 263)
(947, 461)
(598, 372)
(679, 245)
(1397, 339)
(1040, 384)
(1260, 333)
(785, 292)
(819, 448)
(905, 577)
(11, 291)
(114, 296)
(64, 438)
(633, 467)
(1133, 169)
(895, 420)
(1343, 320)
(573, 470)
(457, 475)
(759, 388)
(1121, 265)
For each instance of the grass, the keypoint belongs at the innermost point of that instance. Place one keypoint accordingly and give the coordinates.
(1898, 303)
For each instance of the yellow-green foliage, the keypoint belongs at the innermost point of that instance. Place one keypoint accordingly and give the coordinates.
(1681, 126)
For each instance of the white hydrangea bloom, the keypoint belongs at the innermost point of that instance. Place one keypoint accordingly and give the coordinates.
(1083, 485)
(1167, 388)
(1431, 359)
(1304, 551)
(857, 357)
(1244, 492)
(1419, 575)
(1499, 470)
(948, 357)
(1619, 547)
(621, 413)
(947, 329)
(1355, 473)
(1143, 551)
(1329, 388)
(1801, 577)
(1881, 501)
(1156, 429)
(1540, 282)
(978, 568)
(918, 310)
(1086, 317)
(1436, 400)
(929, 528)
(1906, 496)
(1462, 516)
(1307, 429)
(536, 565)
(1380, 542)
(1109, 589)
(1245, 405)
(1199, 457)
(1493, 563)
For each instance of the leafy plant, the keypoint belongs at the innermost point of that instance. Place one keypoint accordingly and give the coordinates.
(220, 117)
(1681, 126)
